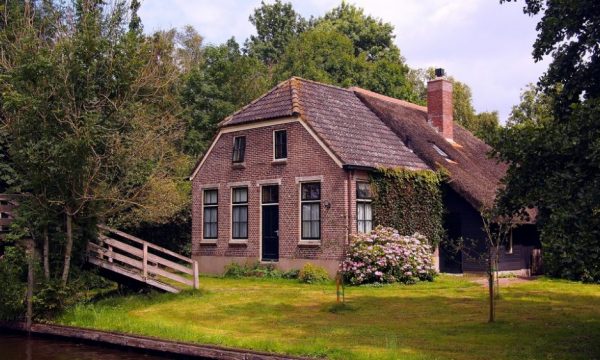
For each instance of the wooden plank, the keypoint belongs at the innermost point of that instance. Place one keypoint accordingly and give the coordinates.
(123, 247)
(170, 264)
(151, 257)
(113, 256)
(145, 261)
(133, 275)
(158, 271)
(5, 222)
(196, 275)
(170, 348)
(150, 245)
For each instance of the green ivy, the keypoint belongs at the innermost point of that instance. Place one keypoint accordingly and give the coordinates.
(409, 201)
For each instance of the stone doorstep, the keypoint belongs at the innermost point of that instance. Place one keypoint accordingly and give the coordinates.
(144, 343)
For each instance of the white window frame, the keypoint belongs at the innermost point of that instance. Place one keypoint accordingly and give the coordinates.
(275, 145)
(233, 205)
(204, 206)
(310, 241)
(233, 151)
(363, 202)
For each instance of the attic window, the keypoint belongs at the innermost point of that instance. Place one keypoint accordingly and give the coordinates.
(441, 152)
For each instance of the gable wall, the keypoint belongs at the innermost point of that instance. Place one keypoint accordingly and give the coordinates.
(306, 158)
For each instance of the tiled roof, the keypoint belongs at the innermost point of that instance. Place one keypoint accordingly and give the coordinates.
(278, 102)
(368, 129)
(348, 127)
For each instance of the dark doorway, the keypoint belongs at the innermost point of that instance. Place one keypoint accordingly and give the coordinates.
(270, 223)
(450, 253)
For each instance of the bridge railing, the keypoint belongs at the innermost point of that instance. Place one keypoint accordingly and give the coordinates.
(146, 258)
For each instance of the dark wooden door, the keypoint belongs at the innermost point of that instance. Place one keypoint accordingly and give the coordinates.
(450, 253)
(270, 232)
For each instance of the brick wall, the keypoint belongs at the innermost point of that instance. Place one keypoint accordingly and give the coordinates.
(306, 158)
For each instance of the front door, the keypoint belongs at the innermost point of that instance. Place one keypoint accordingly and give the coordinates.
(270, 232)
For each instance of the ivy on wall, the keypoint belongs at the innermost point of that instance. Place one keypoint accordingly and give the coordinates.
(409, 201)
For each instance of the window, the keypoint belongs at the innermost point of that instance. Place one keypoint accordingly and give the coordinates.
(239, 213)
(280, 144)
(311, 211)
(509, 246)
(210, 215)
(239, 149)
(364, 213)
(270, 194)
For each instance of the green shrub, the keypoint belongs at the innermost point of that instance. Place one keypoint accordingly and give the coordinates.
(311, 274)
(51, 297)
(258, 270)
(291, 274)
(13, 277)
(235, 270)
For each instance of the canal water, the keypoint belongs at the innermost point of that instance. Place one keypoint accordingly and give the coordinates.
(22, 347)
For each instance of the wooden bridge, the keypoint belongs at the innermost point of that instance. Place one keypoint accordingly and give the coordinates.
(126, 258)
(8, 203)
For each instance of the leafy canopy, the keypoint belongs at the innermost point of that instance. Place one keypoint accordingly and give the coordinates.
(552, 142)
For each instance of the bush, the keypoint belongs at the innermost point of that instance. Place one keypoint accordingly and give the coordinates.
(311, 274)
(384, 256)
(235, 270)
(13, 277)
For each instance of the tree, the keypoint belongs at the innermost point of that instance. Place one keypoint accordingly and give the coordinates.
(90, 112)
(535, 107)
(553, 158)
(321, 54)
(224, 81)
(369, 36)
(276, 25)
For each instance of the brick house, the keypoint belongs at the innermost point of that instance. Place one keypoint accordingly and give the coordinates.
(286, 178)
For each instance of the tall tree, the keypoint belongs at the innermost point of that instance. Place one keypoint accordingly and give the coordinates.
(89, 110)
(276, 25)
(369, 36)
(554, 160)
(224, 81)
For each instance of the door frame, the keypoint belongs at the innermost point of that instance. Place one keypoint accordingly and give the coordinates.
(260, 217)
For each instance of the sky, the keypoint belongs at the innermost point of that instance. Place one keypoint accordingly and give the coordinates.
(479, 42)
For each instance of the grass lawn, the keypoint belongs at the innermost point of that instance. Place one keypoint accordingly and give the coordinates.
(446, 319)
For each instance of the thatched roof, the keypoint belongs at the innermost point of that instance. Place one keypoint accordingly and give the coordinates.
(367, 129)
(472, 173)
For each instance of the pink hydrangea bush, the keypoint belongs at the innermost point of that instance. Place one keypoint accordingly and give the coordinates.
(384, 256)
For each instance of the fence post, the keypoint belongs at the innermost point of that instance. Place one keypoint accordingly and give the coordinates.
(196, 279)
(145, 263)
(110, 249)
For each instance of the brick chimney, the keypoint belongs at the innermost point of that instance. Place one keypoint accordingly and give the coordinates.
(439, 104)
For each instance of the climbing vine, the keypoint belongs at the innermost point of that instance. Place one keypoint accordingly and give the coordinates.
(409, 201)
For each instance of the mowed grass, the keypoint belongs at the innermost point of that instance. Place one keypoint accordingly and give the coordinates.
(445, 319)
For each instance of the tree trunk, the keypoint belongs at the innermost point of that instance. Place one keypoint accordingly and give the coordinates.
(46, 253)
(30, 280)
(491, 286)
(68, 249)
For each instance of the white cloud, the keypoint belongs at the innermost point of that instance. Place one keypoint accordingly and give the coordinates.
(480, 42)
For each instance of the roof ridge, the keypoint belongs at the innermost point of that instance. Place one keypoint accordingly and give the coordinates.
(276, 87)
(294, 91)
(319, 83)
(388, 98)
